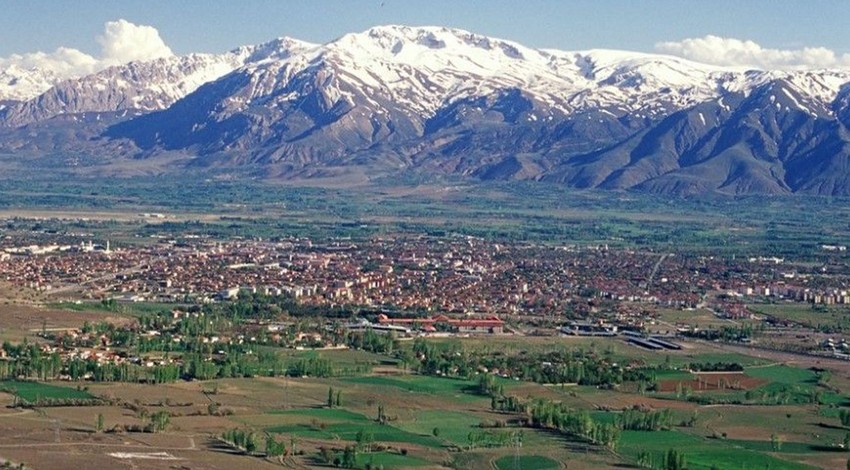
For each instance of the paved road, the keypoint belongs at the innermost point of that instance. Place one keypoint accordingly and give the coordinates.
(655, 270)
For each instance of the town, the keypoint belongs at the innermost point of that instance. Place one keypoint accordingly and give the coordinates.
(648, 327)
(416, 284)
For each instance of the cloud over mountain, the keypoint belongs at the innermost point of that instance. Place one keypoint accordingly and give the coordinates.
(121, 42)
(124, 42)
(718, 50)
(433, 100)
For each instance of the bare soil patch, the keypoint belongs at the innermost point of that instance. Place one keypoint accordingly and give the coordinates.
(726, 381)
(28, 319)
(623, 401)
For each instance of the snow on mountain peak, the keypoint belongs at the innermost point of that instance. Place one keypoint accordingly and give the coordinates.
(280, 48)
(424, 68)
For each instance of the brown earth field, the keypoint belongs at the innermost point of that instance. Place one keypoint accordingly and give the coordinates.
(65, 437)
(18, 321)
(714, 382)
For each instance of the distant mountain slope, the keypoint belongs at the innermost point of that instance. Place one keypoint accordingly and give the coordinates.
(431, 99)
(140, 86)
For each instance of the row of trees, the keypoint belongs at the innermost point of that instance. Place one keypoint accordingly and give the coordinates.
(248, 442)
(489, 438)
(558, 416)
(715, 366)
(844, 416)
(552, 367)
(244, 440)
(373, 342)
(671, 460)
(637, 420)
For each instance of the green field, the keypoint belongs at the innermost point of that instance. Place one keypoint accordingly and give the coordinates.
(418, 384)
(673, 375)
(784, 447)
(453, 427)
(34, 391)
(389, 460)
(341, 358)
(800, 383)
(806, 314)
(698, 318)
(333, 414)
(746, 361)
(526, 462)
(335, 424)
(123, 308)
(783, 374)
(700, 453)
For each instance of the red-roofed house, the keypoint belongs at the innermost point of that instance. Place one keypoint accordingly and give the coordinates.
(489, 325)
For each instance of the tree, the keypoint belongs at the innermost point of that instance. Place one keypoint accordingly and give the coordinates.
(382, 417)
(330, 397)
(436, 432)
(273, 447)
(472, 437)
(99, 424)
(338, 398)
(775, 442)
(349, 457)
(674, 460)
(250, 443)
(326, 455)
(364, 440)
(160, 420)
(644, 459)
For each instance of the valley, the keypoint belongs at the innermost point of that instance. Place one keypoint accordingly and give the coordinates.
(400, 102)
(272, 325)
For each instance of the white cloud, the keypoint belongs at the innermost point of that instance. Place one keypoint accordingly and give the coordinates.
(64, 61)
(124, 42)
(744, 53)
(121, 42)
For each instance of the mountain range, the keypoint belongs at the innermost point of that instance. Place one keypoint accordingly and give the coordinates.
(444, 101)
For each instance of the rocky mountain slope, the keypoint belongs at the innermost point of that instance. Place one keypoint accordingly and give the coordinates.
(431, 99)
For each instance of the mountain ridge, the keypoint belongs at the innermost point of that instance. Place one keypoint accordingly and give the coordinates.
(433, 99)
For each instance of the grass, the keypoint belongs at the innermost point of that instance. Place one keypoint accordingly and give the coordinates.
(344, 425)
(336, 414)
(700, 318)
(784, 447)
(526, 462)
(340, 356)
(784, 374)
(800, 382)
(389, 460)
(805, 314)
(700, 453)
(123, 308)
(34, 391)
(454, 427)
(746, 361)
(673, 375)
(418, 384)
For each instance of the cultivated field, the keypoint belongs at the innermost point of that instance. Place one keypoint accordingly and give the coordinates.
(429, 419)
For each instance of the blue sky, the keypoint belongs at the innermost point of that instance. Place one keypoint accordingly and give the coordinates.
(216, 25)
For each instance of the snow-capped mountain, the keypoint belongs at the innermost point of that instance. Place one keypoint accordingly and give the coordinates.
(139, 87)
(20, 84)
(397, 98)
